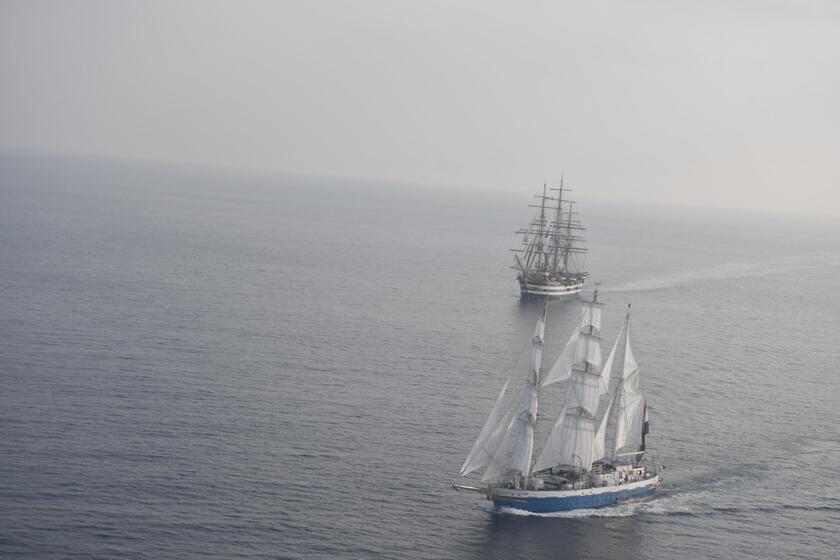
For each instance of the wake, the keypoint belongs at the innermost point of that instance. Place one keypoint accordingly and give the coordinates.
(727, 271)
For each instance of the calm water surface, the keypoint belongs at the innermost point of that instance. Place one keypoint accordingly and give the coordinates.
(211, 365)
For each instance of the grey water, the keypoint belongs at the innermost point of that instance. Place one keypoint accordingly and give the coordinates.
(214, 364)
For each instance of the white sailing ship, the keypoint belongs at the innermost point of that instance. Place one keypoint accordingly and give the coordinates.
(594, 456)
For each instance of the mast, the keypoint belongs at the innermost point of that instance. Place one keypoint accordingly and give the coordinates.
(568, 245)
(543, 257)
(526, 421)
(508, 447)
(573, 436)
(557, 219)
(624, 423)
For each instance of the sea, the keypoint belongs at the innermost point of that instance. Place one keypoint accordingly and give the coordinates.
(213, 363)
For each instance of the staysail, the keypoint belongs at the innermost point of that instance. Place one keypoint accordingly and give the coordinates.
(563, 365)
(481, 454)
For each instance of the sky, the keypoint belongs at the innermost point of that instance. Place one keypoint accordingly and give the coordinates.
(716, 103)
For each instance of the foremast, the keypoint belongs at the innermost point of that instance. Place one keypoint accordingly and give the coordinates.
(505, 445)
(526, 420)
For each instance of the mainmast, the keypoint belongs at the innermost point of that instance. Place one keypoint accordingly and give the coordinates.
(542, 257)
(572, 438)
(558, 216)
(569, 241)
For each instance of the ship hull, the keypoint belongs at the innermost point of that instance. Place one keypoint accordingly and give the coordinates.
(530, 290)
(538, 501)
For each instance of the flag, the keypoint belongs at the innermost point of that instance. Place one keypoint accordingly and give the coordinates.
(645, 428)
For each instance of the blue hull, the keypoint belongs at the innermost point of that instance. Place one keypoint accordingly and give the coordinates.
(566, 503)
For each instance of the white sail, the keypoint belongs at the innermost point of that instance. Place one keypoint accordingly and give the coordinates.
(629, 429)
(624, 421)
(571, 442)
(590, 314)
(480, 455)
(588, 350)
(503, 444)
(599, 446)
(606, 371)
(511, 446)
(537, 350)
(563, 366)
(584, 391)
(630, 365)
(523, 432)
(571, 439)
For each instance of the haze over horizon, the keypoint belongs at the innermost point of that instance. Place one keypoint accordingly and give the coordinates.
(721, 104)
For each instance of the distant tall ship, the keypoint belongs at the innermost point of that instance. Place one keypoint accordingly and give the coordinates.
(551, 258)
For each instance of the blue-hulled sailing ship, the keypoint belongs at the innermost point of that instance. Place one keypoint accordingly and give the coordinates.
(595, 454)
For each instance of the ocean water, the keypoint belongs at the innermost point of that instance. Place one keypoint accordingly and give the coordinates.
(210, 364)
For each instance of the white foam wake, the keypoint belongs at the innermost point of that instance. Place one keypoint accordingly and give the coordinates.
(726, 271)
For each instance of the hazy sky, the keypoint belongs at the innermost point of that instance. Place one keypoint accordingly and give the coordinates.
(730, 103)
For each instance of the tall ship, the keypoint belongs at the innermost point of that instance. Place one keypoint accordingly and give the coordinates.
(550, 261)
(595, 453)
